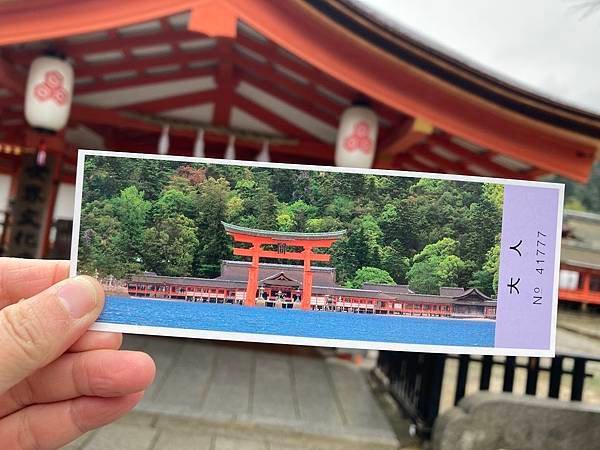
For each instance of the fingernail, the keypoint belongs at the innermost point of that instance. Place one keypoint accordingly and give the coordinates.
(78, 297)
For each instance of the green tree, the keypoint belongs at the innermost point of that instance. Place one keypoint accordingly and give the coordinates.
(324, 224)
(486, 279)
(170, 246)
(130, 209)
(587, 194)
(174, 202)
(370, 275)
(214, 244)
(435, 266)
(395, 261)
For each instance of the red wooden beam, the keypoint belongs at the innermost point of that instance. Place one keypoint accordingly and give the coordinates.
(407, 162)
(9, 101)
(107, 117)
(270, 51)
(308, 147)
(178, 101)
(444, 165)
(482, 161)
(11, 79)
(143, 63)
(103, 85)
(225, 83)
(214, 18)
(256, 69)
(277, 122)
(79, 49)
(323, 257)
(407, 133)
(285, 95)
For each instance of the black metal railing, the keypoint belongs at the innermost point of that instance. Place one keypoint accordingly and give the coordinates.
(415, 380)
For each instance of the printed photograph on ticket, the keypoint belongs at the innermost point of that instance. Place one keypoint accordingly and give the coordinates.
(322, 256)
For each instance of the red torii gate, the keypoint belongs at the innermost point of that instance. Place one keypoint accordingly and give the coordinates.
(258, 238)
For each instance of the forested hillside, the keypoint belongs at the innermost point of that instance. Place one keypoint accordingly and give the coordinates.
(165, 217)
(583, 197)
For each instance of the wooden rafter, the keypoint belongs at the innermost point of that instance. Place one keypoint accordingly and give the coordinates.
(407, 162)
(270, 51)
(405, 135)
(143, 63)
(10, 79)
(444, 165)
(178, 101)
(480, 160)
(141, 80)
(297, 102)
(225, 83)
(309, 93)
(79, 49)
(279, 123)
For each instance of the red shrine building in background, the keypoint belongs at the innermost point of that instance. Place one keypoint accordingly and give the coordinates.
(298, 81)
(305, 286)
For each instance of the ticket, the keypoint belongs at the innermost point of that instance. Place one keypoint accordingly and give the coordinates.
(321, 256)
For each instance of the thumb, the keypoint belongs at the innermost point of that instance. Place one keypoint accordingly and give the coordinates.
(37, 330)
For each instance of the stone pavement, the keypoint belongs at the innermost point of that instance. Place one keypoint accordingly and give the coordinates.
(582, 323)
(219, 395)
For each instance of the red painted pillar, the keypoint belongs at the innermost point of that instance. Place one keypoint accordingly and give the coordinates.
(306, 280)
(252, 278)
(586, 283)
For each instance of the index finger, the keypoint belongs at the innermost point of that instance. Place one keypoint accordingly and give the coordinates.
(24, 278)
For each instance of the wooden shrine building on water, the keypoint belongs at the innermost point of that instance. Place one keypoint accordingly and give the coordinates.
(304, 286)
(280, 285)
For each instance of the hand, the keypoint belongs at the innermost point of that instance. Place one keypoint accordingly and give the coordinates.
(58, 380)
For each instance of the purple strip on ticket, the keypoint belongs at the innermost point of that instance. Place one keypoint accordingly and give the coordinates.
(527, 294)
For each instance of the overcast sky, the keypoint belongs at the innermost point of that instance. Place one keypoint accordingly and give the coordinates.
(542, 44)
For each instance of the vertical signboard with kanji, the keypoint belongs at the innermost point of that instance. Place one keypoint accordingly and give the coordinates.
(30, 208)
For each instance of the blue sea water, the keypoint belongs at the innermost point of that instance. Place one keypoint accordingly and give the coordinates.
(292, 322)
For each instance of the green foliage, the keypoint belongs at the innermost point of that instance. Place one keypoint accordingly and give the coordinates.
(436, 266)
(574, 204)
(582, 196)
(370, 275)
(170, 246)
(214, 244)
(112, 238)
(486, 279)
(165, 217)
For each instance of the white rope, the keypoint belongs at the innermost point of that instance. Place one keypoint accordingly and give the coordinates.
(263, 155)
(230, 151)
(199, 144)
(163, 141)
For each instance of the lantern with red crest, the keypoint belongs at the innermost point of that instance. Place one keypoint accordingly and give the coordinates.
(48, 96)
(357, 138)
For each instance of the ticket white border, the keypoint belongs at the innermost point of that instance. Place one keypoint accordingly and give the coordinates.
(296, 340)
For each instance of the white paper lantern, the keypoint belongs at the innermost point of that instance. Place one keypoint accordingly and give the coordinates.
(49, 93)
(357, 138)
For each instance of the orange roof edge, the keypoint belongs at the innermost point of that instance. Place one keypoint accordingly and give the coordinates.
(302, 30)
